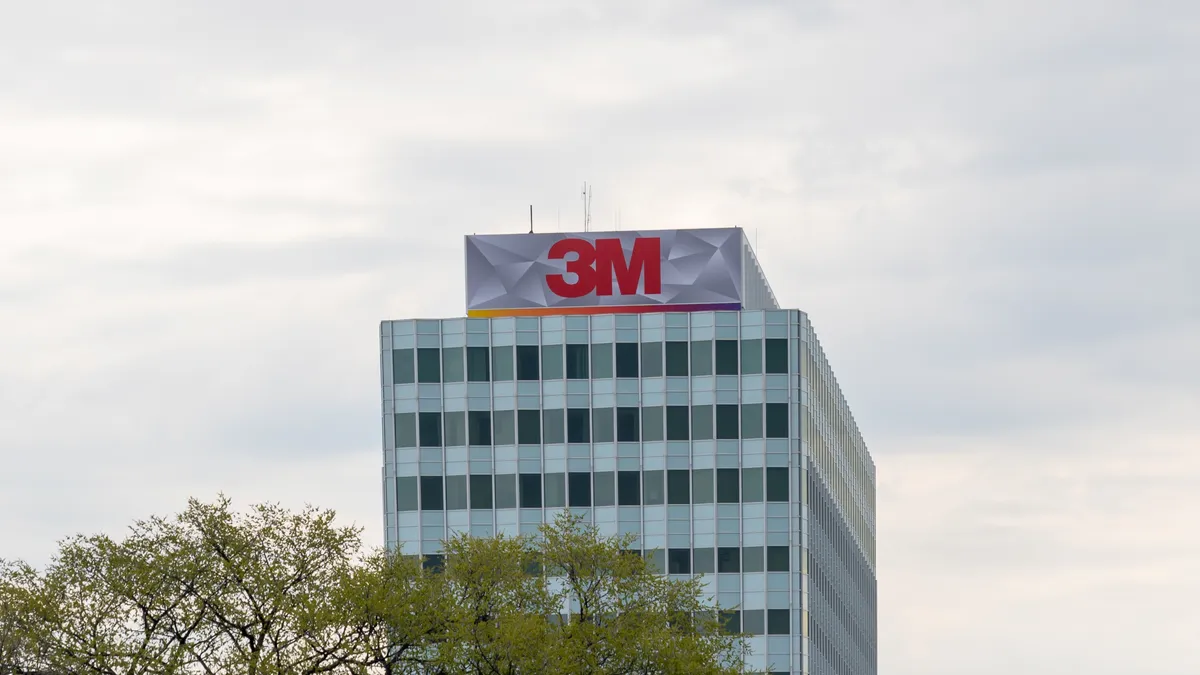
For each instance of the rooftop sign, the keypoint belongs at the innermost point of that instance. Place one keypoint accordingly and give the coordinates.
(604, 272)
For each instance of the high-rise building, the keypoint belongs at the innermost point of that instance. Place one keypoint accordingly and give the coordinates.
(650, 382)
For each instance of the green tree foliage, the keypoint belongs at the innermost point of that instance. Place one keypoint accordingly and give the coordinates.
(273, 592)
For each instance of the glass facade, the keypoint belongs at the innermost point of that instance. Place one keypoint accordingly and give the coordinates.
(719, 439)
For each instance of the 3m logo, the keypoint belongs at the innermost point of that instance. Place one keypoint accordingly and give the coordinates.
(596, 264)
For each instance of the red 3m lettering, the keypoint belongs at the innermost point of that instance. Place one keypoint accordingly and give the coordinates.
(595, 266)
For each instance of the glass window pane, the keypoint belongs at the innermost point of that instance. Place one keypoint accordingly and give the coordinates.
(731, 621)
(726, 357)
(778, 622)
(553, 428)
(602, 361)
(652, 423)
(481, 492)
(656, 561)
(531, 490)
(578, 425)
(406, 493)
(679, 561)
(752, 423)
(430, 429)
(552, 362)
(702, 486)
(506, 491)
(529, 427)
(579, 488)
(677, 359)
(556, 490)
(753, 621)
(456, 492)
(479, 427)
(527, 362)
(577, 362)
(605, 485)
(702, 357)
(652, 487)
(727, 420)
(776, 358)
(431, 493)
(727, 486)
(777, 559)
(403, 369)
(452, 364)
(428, 366)
(628, 488)
(678, 486)
(603, 430)
(456, 428)
(677, 423)
(753, 559)
(729, 559)
(777, 420)
(504, 427)
(702, 422)
(627, 424)
(751, 356)
(627, 359)
(502, 364)
(477, 364)
(777, 484)
(752, 485)
(406, 430)
(434, 562)
(703, 561)
(652, 359)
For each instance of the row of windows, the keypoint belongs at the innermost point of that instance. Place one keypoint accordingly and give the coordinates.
(586, 489)
(586, 425)
(583, 361)
(721, 560)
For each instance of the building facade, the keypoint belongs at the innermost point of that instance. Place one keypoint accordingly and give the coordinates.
(719, 438)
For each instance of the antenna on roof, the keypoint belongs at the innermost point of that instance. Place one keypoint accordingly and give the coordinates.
(531, 219)
(587, 207)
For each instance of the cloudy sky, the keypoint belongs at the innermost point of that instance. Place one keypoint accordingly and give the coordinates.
(989, 209)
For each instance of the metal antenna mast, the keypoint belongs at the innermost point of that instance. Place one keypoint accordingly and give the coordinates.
(587, 207)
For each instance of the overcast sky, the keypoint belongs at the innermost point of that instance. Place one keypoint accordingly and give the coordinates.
(991, 211)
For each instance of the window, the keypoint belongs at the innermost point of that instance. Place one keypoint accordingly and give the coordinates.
(751, 356)
(431, 493)
(627, 424)
(556, 490)
(428, 368)
(752, 485)
(677, 423)
(477, 364)
(603, 430)
(406, 430)
(577, 362)
(504, 427)
(481, 492)
(726, 357)
(677, 359)
(652, 423)
(702, 486)
(702, 422)
(434, 562)
(578, 430)
(727, 486)
(731, 621)
(776, 356)
(679, 561)
(604, 483)
(727, 420)
(702, 358)
(579, 488)
(703, 561)
(752, 559)
(479, 427)
(456, 428)
(502, 364)
(777, 484)
(403, 371)
(777, 559)
(529, 427)
(729, 559)
(752, 422)
(456, 492)
(553, 428)
(602, 361)
(777, 420)
(531, 490)
(777, 622)
(506, 491)
(628, 488)
(627, 359)
(678, 486)
(406, 493)
(430, 429)
(527, 362)
(656, 561)
(652, 487)
(753, 622)
(452, 364)
(652, 365)
(552, 362)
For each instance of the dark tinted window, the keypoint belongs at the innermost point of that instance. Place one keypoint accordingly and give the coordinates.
(726, 357)
(502, 364)
(702, 486)
(727, 486)
(776, 358)
(428, 366)
(702, 357)
(627, 424)
(529, 427)
(577, 362)
(703, 561)
(652, 359)
(477, 364)
(579, 488)
(753, 622)
(652, 487)
(677, 423)
(777, 622)
(527, 362)
(552, 362)
(578, 427)
(531, 490)
(731, 621)
(702, 422)
(652, 423)
(777, 484)
(406, 493)
(481, 492)
(430, 430)
(602, 361)
(456, 492)
(479, 427)
(777, 559)
(679, 485)
(556, 490)
(434, 562)
(431, 493)
(456, 428)
(777, 420)
(627, 359)
(727, 420)
(403, 370)
(677, 359)
(656, 561)
(729, 559)
(452, 365)
(752, 559)
(752, 422)
(602, 425)
(752, 485)
(679, 561)
(605, 486)
(506, 491)
(504, 427)
(406, 430)
(628, 488)
(553, 427)
(751, 356)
